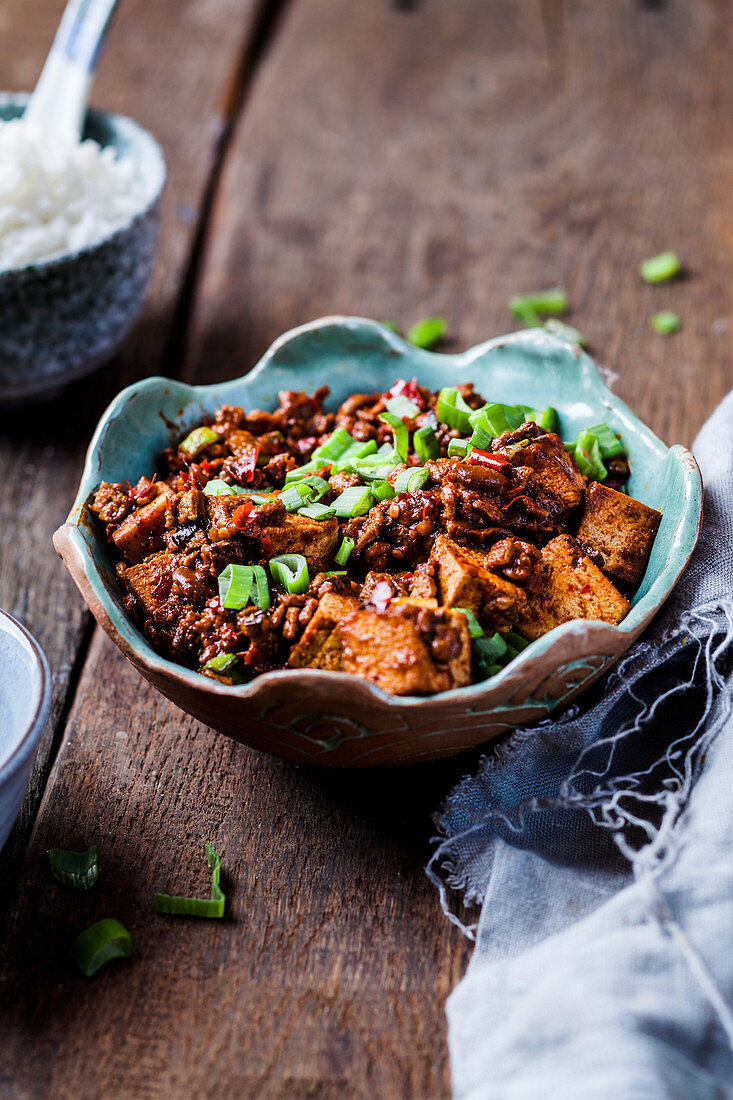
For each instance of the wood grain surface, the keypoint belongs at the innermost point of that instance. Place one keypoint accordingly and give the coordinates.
(390, 160)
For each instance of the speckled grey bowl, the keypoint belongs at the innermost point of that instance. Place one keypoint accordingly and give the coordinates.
(61, 318)
(25, 699)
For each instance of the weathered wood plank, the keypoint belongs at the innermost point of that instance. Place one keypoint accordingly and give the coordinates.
(390, 162)
(151, 72)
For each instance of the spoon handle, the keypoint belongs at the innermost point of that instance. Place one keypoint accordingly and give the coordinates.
(59, 101)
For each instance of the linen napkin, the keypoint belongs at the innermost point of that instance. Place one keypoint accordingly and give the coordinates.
(600, 847)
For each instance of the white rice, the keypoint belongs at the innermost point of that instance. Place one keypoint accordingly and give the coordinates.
(57, 197)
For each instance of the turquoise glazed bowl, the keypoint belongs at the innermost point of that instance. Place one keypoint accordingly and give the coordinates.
(61, 318)
(25, 699)
(332, 717)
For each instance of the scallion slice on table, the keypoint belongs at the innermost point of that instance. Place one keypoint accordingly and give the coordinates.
(549, 303)
(475, 630)
(452, 410)
(77, 869)
(317, 511)
(235, 586)
(290, 570)
(411, 479)
(401, 435)
(342, 554)
(425, 442)
(212, 907)
(656, 269)
(565, 332)
(402, 406)
(665, 323)
(196, 441)
(427, 333)
(221, 662)
(95, 946)
(355, 501)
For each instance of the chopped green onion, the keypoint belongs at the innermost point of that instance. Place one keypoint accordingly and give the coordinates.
(475, 630)
(333, 447)
(317, 511)
(302, 473)
(105, 940)
(261, 594)
(290, 570)
(402, 406)
(488, 651)
(197, 907)
(377, 467)
(77, 869)
(401, 435)
(658, 268)
(257, 498)
(665, 322)
(318, 485)
(355, 501)
(427, 333)
(295, 496)
(219, 488)
(425, 442)
(335, 573)
(495, 419)
(459, 448)
(221, 662)
(196, 441)
(565, 332)
(452, 410)
(235, 586)
(516, 641)
(588, 457)
(382, 490)
(545, 302)
(481, 439)
(358, 450)
(411, 479)
(342, 554)
(608, 441)
(543, 418)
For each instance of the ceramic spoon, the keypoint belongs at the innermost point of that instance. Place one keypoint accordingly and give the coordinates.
(59, 102)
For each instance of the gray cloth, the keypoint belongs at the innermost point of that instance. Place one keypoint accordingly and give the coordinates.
(600, 848)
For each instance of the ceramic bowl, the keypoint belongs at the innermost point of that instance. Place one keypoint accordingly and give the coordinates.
(61, 318)
(335, 718)
(25, 699)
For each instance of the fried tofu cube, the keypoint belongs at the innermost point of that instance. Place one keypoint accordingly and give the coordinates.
(150, 582)
(293, 534)
(464, 581)
(141, 533)
(407, 649)
(318, 648)
(573, 588)
(553, 471)
(620, 530)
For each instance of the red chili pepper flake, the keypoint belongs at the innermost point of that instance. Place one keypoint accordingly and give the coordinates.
(207, 466)
(240, 515)
(162, 588)
(408, 389)
(485, 458)
(137, 491)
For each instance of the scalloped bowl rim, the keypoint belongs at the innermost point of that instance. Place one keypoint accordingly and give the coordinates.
(153, 190)
(123, 630)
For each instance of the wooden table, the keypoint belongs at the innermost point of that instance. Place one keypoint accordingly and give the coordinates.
(389, 159)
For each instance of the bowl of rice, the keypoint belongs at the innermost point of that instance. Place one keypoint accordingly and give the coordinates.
(78, 228)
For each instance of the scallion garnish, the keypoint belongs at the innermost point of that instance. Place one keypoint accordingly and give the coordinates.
(426, 444)
(316, 511)
(475, 630)
(318, 485)
(332, 448)
(336, 573)
(219, 488)
(546, 419)
(382, 490)
(459, 448)
(235, 586)
(427, 333)
(658, 268)
(221, 662)
(452, 410)
(197, 907)
(401, 435)
(342, 554)
(196, 441)
(609, 442)
(105, 940)
(377, 467)
(588, 456)
(261, 594)
(665, 322)
(358, 450)
(290, 570)
(527, 307)
(565, 332)
(77, 869)
(295, 496)
(488, 650)
(402, 406)
(355, 501)
(411, 479)
(481, 438)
